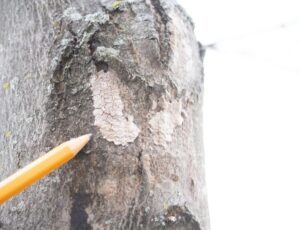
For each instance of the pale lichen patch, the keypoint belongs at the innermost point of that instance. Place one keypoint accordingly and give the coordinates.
(163, 123)
(72, 14)
(98, 17)
(114, 125)
(103, 53)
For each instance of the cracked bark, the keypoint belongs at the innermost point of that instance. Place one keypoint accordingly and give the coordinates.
(131, 73)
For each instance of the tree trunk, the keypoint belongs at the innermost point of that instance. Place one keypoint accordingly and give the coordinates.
(129, 72)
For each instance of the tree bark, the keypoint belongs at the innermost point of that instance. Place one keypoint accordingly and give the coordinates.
(129, 72)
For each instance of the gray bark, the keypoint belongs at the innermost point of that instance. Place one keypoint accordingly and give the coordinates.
(129, 72)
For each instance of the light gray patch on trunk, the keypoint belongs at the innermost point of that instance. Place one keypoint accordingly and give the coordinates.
(114, 125)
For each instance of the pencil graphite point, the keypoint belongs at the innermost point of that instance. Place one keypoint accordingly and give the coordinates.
(78, 143)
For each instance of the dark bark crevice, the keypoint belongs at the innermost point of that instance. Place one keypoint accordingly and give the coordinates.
(79, 217)
(162, 20)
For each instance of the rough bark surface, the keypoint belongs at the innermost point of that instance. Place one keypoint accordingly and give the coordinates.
(130, 72)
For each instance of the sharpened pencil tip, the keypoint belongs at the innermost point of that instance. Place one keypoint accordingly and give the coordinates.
(78, 143)
(89, 135)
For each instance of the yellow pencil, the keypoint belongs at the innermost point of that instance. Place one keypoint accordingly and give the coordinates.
(41, 167)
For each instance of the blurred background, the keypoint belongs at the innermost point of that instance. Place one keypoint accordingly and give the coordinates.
(251, 111)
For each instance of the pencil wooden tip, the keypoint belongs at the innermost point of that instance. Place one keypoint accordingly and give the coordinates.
(78, 143)
(89, 135)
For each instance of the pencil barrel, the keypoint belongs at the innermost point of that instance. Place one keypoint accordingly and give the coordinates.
(33, 172)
